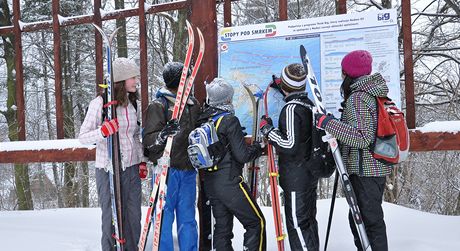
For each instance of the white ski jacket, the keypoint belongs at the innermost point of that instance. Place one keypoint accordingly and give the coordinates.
(129, 134)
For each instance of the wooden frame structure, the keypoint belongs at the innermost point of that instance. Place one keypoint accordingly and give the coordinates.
(203, 15)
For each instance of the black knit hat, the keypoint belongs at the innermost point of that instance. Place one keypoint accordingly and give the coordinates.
(172, 72)
(293, 78)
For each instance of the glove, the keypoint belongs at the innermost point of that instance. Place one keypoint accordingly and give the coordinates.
(171, 128)
(266, 125)
(109, 127)
(143, 170)
(276, 84)
(321, 120)
(243, 129)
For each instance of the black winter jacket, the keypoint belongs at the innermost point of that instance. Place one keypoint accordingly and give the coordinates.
(155, 122)
(230, 133)
(292, 140)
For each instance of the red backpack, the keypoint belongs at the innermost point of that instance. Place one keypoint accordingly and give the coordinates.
(391, 144)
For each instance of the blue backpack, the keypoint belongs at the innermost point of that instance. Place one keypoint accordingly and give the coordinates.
(205, 150)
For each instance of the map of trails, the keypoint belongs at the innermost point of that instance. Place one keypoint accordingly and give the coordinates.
(253, 62)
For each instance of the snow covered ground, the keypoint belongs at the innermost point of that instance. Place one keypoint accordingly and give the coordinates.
(79, 229)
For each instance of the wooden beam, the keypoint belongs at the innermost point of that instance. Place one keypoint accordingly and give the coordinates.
(51, 155)
(420, 142)
(434, 141)
(86, 19)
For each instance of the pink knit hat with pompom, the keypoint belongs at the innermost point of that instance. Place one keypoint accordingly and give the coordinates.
(357, 63)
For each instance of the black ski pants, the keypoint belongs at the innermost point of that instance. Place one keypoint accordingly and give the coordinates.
(131, 207)
(369, 194)
(204, 210)
(302, 227)
(230, 197)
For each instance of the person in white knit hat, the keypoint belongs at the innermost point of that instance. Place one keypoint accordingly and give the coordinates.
(95, 130)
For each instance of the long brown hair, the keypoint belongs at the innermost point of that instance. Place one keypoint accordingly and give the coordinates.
(121, 97)
(345, 88)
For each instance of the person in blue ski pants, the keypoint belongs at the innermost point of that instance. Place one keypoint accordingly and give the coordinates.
(181, 183)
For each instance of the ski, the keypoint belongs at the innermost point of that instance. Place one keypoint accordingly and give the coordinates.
(347, 187)
(113, 144)
(273, 176)
(158, 195)
(253, 167)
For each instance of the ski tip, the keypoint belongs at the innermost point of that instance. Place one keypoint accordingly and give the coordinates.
(302, 49)
(188, 23)
(114, 33)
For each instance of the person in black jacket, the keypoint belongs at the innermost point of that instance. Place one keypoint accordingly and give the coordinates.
(292, 142)
(181, 184)
(228, 193)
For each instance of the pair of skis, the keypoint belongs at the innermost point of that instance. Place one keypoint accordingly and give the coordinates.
(157, 198)
(113, 146)
(342, 172)
(273, 177)
(253, 167)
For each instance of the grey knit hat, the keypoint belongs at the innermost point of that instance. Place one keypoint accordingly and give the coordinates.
(123, 69)
(293, 78)
(219, 92)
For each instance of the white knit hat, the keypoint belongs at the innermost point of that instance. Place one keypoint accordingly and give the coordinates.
(293, 78)
(219, 92)
(123, 69)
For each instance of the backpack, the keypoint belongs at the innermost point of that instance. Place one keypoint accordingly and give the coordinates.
(321, 163)
(205, 150)
(391, 145)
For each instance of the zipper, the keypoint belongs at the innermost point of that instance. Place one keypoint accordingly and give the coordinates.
(127, 137)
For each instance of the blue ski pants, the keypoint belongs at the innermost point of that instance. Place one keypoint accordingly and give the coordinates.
(181, 200)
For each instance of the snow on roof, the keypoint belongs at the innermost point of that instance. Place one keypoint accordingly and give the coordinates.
(440, 126)
(58, 144)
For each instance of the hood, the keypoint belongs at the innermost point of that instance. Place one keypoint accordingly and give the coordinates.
(373, 84)
(208, 112)
(165, 92)
(301, 96)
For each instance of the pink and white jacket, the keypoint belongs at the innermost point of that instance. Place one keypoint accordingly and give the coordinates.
(129, 134)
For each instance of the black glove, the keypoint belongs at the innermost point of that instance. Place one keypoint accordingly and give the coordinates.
(243, 129)
(276, 84)
(321, 120)
(266, 125)
(171, 128)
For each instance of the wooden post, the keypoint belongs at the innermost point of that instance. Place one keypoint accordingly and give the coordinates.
(283, 15)
(408, 63)
(98, 45)
(203, 15)
(19, 78)
(341, 7)
(57, 70)
(227, 13)
(143, 60)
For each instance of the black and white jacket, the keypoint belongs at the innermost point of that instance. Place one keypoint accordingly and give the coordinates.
(292, 142)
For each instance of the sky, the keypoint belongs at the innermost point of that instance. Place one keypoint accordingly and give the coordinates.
(75, 229)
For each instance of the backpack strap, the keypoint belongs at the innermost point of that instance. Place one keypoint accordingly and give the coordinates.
(217, 119)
